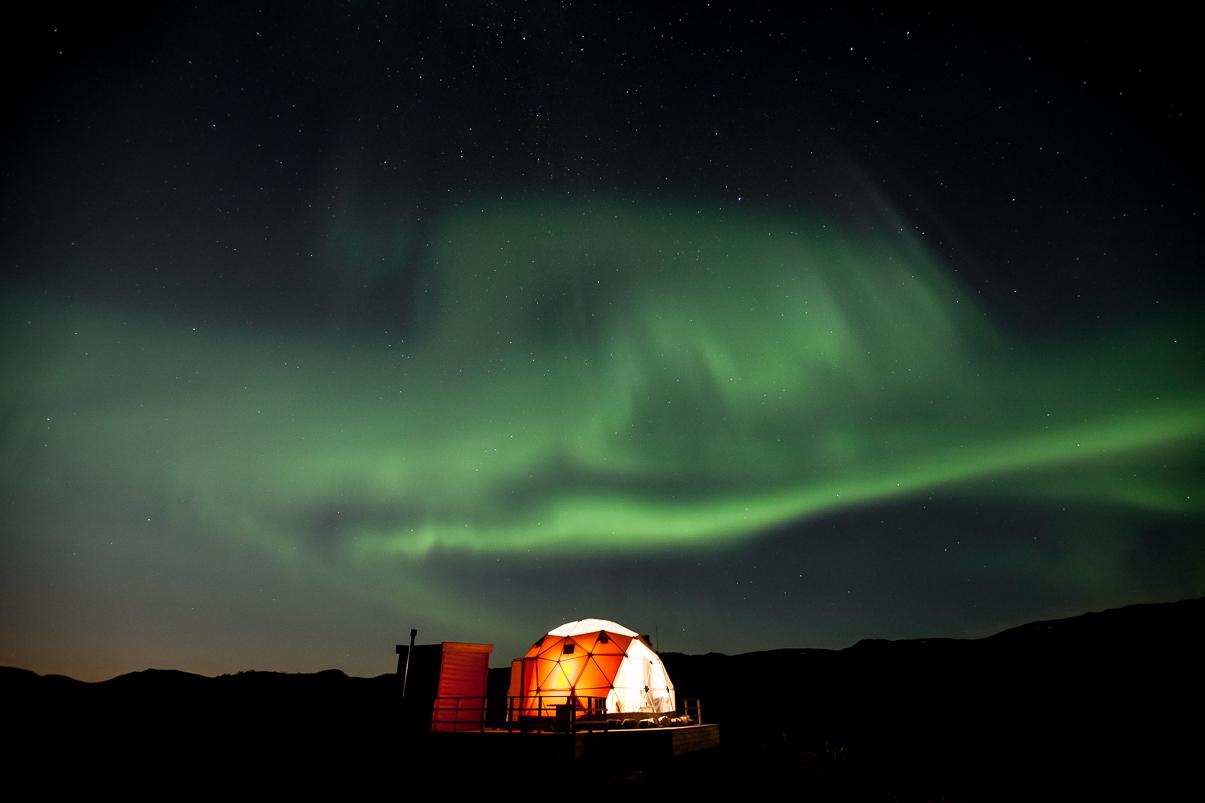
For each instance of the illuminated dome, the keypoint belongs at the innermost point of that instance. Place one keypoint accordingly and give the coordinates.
(595, 664)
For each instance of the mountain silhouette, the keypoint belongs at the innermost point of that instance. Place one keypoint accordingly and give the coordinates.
(1102, 703)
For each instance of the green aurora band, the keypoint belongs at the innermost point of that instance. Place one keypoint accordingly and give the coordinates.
(592, 379)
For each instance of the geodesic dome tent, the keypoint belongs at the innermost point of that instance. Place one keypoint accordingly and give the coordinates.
(595, 665)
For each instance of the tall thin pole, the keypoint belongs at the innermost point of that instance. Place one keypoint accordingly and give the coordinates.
(406, 671)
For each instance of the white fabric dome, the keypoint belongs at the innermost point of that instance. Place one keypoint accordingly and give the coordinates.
(591, 626)
(592, 658)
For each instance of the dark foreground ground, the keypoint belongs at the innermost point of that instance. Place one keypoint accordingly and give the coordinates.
(1105, 705)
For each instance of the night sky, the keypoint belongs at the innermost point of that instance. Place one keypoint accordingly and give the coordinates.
(744, 327)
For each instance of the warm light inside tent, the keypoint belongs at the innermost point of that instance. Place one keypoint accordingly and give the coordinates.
(594, 665)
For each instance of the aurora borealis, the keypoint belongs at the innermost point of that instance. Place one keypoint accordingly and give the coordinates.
(564, 380)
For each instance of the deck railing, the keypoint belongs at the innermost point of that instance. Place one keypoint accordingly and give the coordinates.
(458, 714)
(559, 712)
(565, 713)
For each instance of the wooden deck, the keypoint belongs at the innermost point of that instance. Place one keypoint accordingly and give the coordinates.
(618, 744)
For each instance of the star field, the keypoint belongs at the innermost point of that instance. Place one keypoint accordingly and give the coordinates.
(753, 328)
